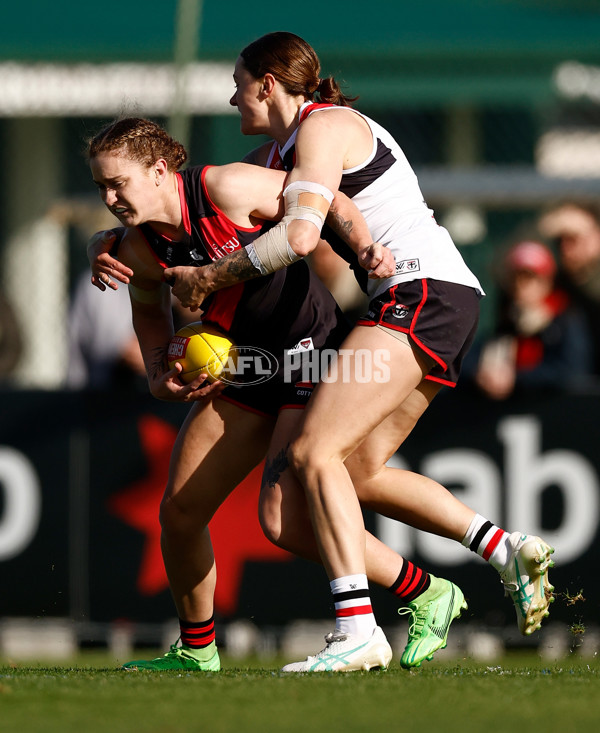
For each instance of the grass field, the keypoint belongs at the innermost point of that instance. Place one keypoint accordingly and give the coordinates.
(522, 693)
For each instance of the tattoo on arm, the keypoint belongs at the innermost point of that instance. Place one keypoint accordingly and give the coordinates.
(342, 227)
(159, 364)
(275, 467)
(236, 266)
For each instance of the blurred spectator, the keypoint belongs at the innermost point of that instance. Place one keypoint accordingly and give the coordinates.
(103, 349)
(576, 229)
(541, 340)
(11, 343)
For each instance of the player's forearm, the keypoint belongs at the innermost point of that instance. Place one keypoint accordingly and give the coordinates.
(154, 328)
(348, 223)
(234, 268)
(192, 285)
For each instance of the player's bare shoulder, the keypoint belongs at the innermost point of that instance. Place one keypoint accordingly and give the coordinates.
(329, 130)
(329, 120)
(229, 177)
(241, 190)
(227, 185)
(341, 131)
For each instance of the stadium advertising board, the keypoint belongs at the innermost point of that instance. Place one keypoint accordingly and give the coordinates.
(81, 478)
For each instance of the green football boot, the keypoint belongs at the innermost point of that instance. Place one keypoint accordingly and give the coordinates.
(178, 658)
(432, 612)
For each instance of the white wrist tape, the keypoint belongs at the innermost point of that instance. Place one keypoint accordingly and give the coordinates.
(303, 200)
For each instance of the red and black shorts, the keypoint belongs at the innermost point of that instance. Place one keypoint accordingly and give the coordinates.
(440, 318)
(269, 397)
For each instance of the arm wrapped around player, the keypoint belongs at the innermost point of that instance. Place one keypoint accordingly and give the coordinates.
(304, 201)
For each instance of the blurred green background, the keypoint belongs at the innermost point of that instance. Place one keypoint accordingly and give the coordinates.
(496, 104)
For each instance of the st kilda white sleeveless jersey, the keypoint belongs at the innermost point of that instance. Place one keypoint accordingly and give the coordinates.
(386, 191)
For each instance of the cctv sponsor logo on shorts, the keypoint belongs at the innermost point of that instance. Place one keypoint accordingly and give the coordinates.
(328, 365)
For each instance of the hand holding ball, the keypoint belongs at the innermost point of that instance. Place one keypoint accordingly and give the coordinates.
(200, 348)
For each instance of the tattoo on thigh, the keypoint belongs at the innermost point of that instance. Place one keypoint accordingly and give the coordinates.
(275, 467)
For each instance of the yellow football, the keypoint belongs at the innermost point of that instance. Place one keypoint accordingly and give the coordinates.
(200, 348)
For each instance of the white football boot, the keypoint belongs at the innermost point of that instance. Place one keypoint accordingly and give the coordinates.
(347, 653)
(525, 579)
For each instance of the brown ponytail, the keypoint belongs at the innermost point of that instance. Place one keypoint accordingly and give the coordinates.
(295, 65)
(329, 91)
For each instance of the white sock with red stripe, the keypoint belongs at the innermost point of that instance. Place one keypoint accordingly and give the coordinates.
(353, 612)
(488, 541)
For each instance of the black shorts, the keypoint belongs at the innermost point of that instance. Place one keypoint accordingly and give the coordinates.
(439, 317)
(292, 384)
(270, 397)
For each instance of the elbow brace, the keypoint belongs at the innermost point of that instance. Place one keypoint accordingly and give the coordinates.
(303, 200)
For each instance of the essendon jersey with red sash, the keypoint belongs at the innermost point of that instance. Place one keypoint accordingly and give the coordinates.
(276, 311)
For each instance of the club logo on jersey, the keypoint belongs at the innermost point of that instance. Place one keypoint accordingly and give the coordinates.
(302, 346)
(400, 311)
(407, 266)
(220, 236)
(225, 248)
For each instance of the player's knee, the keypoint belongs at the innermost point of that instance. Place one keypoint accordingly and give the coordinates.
(168, 516)
(276, 531)
(365, 477)
(175, 520)
(307, 461)
(279, 533)
(298, 455)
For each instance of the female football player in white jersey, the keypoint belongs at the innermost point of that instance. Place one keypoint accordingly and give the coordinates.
(424, 316)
